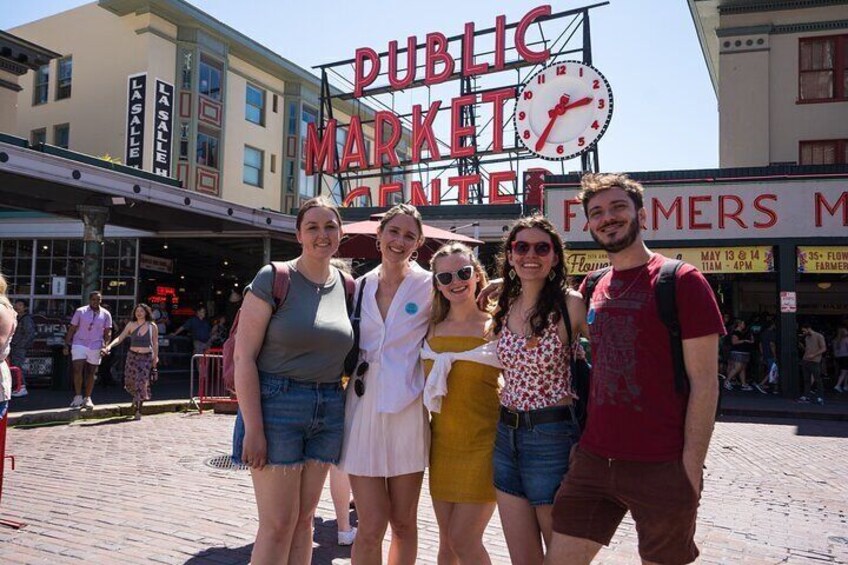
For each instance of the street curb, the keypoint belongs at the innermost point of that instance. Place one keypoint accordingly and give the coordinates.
(68, 416)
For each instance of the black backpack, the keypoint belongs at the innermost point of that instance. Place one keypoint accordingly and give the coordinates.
(667, 310)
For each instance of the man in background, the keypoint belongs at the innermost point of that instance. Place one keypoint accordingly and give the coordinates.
(21, 342)
(91, 327)
(811, 365)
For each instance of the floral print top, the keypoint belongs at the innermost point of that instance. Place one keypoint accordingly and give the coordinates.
(537, 370)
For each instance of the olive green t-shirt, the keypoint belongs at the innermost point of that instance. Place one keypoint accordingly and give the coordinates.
(309, 336)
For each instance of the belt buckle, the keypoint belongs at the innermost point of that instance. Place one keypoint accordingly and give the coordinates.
(517, 417)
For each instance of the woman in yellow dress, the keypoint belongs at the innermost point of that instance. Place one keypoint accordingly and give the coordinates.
(462, 393)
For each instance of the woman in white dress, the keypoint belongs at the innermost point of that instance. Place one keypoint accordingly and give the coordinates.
(387, 433)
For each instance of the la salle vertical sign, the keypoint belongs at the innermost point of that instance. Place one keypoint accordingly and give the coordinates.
(136, 97)
(162, 128)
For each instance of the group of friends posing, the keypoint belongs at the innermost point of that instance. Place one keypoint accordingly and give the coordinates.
(426, 393)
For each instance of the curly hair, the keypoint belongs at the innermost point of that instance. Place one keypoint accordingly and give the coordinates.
(552, 299)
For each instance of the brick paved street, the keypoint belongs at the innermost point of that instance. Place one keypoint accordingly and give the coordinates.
(114, 491)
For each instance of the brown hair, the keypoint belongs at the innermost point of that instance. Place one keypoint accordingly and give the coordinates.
(441, 305)
(148, 312)
(593, 183)
(317, 202)
(552, 299)
(399, 209)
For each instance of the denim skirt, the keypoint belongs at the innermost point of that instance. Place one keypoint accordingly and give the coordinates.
(302, 421)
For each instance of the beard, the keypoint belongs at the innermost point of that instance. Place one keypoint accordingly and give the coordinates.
(622, 242)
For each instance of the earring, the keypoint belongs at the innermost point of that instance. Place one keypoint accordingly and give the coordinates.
(512, 274)
(551, 275)
(414, 257)
(377, 243)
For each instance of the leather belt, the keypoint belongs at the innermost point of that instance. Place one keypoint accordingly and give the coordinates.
(526, 420)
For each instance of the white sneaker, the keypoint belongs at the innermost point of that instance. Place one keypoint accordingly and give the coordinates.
(76, 404)
(88, 404)
(346, 538)
(20, 392)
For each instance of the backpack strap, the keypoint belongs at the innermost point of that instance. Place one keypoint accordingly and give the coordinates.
(667, 310)
(282, 277)
(350, 290)
(592, 280)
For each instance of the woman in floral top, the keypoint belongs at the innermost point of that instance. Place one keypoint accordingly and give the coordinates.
(537, 426)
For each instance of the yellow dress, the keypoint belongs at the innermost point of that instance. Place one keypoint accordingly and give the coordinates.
(463, 433)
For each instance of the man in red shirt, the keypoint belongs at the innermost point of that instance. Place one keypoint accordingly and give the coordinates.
(644, 445)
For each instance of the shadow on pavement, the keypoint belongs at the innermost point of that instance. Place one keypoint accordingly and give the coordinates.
(803, 427)
(324, 551)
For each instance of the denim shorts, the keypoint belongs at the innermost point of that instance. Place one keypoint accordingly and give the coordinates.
(302, 421)
(531, 462)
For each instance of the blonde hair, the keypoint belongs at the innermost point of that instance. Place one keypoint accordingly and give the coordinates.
(441, 305)
(4, 300)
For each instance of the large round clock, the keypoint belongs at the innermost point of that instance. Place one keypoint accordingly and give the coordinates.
(563, 110)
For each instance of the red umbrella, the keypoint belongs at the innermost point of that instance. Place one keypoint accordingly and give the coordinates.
(360, 238)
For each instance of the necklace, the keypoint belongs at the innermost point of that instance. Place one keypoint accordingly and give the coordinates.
(626, 290)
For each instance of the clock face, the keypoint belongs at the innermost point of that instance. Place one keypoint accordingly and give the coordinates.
(563, 110)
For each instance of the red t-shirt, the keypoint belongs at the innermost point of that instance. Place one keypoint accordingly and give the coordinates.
(634, 411)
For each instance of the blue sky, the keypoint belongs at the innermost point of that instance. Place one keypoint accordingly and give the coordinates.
(666, 113)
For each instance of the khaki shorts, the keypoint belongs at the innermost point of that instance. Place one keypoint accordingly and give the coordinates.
(598, 492)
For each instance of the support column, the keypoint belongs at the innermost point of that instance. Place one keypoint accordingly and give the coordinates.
(787, 352)
(266, 250)
(94, 220)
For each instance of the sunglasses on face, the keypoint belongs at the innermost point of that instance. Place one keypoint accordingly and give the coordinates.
(463, 274)
(358, 381)
(541, 248)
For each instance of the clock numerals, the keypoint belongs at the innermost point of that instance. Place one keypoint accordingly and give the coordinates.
(540, 79)
(596, 125)
(563, 69)
(581, 71)
(526, 134)
(528, 94)
(602, 104)
(560, 149)
(522, 115)
(581, 142)
(596, 84)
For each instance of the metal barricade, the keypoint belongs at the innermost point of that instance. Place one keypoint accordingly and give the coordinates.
(3, 422)
(207, 371)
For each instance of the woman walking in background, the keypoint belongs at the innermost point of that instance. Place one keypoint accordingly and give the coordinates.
(288, 369)
(537, 426)
(840, 353)
(464, 405)
(142, 357)
(741, 345)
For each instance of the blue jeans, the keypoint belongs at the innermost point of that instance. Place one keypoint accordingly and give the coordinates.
(301, 421)
(532, 462)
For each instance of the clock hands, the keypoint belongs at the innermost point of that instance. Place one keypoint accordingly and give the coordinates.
(560, 109)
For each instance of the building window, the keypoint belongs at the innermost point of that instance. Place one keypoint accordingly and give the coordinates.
(823, 68)
(62, 136)
(292, 119)
(42, 85)
(254, 108)
(307, 184)
(830, 152)
(184, 129)
(207, 149)
(210, 79)
(63, 85)
(252, 166)
(38, 136)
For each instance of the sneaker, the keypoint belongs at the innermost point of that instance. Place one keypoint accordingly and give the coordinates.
(728, 385)
(747, 388)
(837, 388)
(346, 538)
(803, 399)
(820, 401)
(76, 404)
(88, 404)
(760, 389)
(20, 392)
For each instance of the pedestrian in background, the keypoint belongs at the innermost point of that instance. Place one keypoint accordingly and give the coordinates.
(200, 330)
(91, 327)
(8, 322)
(340, 493)
(811, 364)
(645, 441)
(288, 369)
(768, 355)
(535, 316)
(387, 432)
(840, 354)
(142, 357)
(741, 345)
(462, 394)
(21, 342)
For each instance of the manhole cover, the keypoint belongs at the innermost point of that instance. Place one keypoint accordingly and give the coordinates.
(225, 462)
